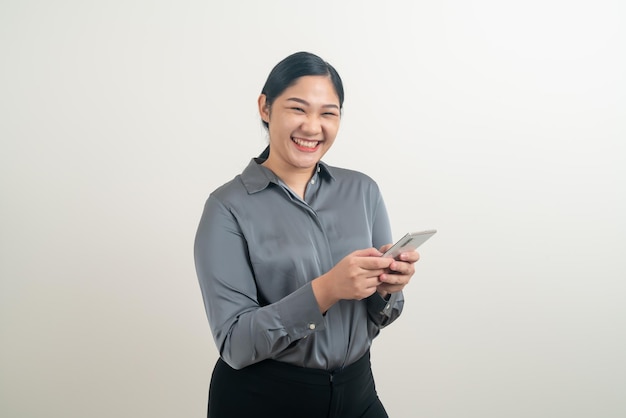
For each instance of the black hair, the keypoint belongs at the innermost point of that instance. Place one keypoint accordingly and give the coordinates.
(290, 69)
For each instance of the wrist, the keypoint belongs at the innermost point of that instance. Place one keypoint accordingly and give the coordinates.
(323, 293)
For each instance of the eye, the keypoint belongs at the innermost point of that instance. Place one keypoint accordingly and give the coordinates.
(330, 114)
(298, 109)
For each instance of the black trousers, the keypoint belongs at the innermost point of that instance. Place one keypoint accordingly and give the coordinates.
(280, 390)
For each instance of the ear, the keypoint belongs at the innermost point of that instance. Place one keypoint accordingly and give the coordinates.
(264, 108)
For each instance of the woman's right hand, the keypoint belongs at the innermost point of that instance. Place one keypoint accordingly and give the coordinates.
(354, 277)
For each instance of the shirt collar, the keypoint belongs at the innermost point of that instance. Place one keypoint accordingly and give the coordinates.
(256, 177)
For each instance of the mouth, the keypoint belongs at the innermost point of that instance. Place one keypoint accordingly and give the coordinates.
(306, 144)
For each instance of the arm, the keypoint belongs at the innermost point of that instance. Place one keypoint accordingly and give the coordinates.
(244, 331)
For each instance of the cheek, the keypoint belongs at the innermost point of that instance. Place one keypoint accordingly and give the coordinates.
(285, 125)
(278, 128)
(331, 130)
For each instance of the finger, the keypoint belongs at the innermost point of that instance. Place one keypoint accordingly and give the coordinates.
(373, 275)
(367, 252)
(390, 288)
(370, 282)
(402, 267)
(409, 257)
(394, 279)
(375, 263)
(385, 247)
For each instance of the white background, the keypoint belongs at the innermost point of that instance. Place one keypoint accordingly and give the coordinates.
(501, 124)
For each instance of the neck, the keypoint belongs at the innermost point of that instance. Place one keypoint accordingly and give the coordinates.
(296, 179)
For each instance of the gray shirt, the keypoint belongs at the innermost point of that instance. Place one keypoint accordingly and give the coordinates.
(259, 246)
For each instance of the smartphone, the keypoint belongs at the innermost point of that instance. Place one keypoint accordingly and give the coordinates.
(409, 242)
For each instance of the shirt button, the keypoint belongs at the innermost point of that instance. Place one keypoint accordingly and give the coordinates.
(311, 326)
(387, 306)
(312, 181)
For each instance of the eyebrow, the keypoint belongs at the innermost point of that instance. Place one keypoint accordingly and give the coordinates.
(304, 102)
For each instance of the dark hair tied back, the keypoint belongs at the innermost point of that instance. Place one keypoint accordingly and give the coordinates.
(290, 69)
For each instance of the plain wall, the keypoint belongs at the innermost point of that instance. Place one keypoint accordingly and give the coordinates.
(501, 124)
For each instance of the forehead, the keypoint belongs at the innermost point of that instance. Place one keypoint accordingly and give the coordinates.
(313, 89)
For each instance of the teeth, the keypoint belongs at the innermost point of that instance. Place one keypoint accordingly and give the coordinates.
(305, 144)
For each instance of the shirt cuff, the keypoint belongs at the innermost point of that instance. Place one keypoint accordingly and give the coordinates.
(300, 313)
(382, 305)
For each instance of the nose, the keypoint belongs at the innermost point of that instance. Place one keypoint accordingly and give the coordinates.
(312, 125)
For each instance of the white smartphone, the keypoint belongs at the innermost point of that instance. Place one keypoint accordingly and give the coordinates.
(409, 242)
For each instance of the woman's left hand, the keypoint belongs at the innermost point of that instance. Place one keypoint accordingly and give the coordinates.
(400, 272)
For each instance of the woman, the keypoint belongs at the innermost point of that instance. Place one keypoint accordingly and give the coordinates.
(286, 255)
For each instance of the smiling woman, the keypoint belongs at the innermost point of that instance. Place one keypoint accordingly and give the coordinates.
(304, 96)
(304, 123)
(288, 259)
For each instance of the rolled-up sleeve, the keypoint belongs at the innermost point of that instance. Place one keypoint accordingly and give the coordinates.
(244, 331)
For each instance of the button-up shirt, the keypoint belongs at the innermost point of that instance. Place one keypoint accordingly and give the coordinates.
(259, 246)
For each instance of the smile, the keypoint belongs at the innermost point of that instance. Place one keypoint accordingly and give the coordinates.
(303, 143)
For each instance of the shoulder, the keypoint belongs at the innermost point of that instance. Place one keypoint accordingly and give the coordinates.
(251, 180)
(344, 175)
(354, 186)
(230, 191)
